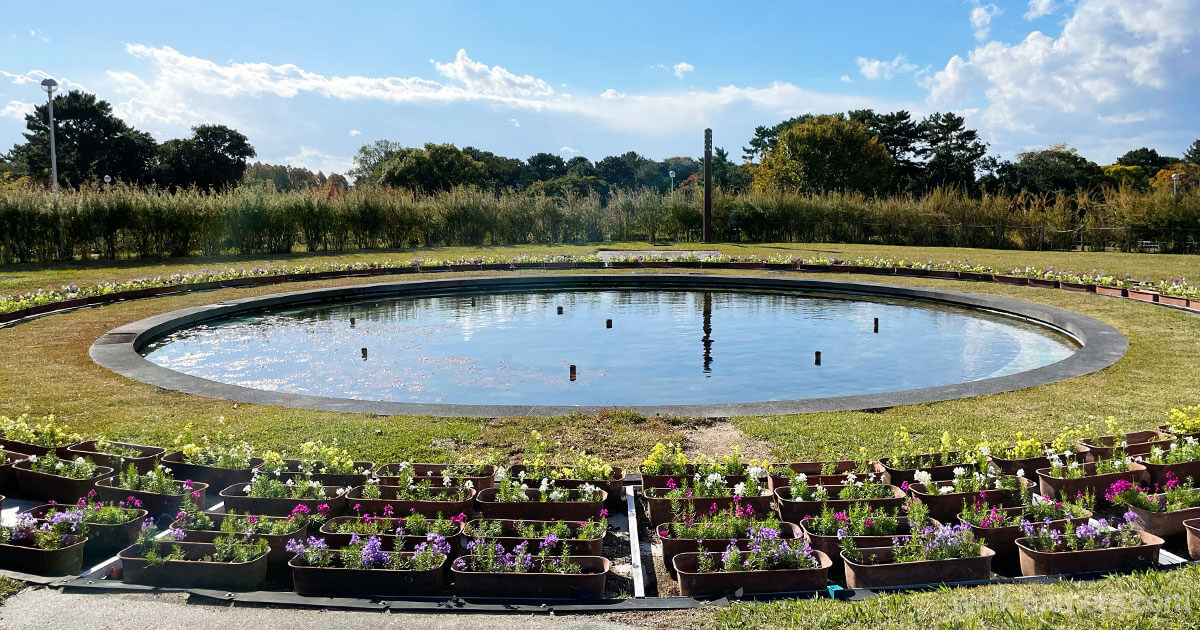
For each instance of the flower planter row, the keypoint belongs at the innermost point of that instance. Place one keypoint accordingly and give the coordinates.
(1139, 293)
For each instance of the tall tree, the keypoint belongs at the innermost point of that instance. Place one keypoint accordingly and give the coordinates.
(214, 158)
(1058, 168)
(90, 143)
(620, 171)
(500, 173)
(543, 167)
(1148, 159)
(826, 153)
(580, 167)
(370, 157)
(765, 138)
(953, 151)
(1192, 155)
(436, 167)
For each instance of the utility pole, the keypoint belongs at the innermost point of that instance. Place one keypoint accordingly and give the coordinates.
(49, 85)
(707, 229)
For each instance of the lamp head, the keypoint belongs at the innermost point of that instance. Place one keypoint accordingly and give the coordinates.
(49, 85)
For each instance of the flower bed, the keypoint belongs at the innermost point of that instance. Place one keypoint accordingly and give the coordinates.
(117, 455)
(1072, 479)
(585, 538)
(1161, 514)
(402, 474)
(947, 498)
(407, 532)
(1096, 546)
(157, 491)
(706, 492)
(714, 529)
(324, 500)
(492, 571)
(52, 548)
(513, 501)
(110, 527)
(227, 564)
(363, 568)
(21, 435)
(818, 473)
(1001, 526)
(667, 463)
(277, 531)
(48, 478)
(219, 461)
(798, 501)
(935, 554)
(420, 499)
(862, 525)
(773, 565)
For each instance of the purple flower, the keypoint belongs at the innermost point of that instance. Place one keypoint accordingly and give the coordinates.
(550, 541)
(372, 553)
(176, 533)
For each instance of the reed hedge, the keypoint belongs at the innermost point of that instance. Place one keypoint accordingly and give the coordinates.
(122, 222)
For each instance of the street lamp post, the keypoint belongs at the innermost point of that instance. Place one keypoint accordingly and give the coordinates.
(672, 174)
(50, 85)
(1175, 184)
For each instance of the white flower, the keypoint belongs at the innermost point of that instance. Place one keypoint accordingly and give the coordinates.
(850, 479)
(373, 480)
(1020, 472)
(871, 477)
(1074, 465)
(317, 484)
(79, 461)
(944, 490)
(802, 479)
(341, 491)
(33, 459)
(985, 451)
(246, 489)
(922, 477)
(446, 481)
(714, 479)
(58, 466)
(469, 484)
(501, 474)
(740, 489)
(756, 472)
(1037, 498)
(959, 471)
(289, 483)
(545, 485)
(521, 476)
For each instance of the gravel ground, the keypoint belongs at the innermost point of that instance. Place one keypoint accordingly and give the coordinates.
(45, 608)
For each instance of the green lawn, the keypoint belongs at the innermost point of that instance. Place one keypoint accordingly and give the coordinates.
(15, 278)
(47, 370)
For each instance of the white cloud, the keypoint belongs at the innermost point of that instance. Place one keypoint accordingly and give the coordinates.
(38, 35)
(315, 160)
(877, 69)
(355, 132)
(570, 150)
(176, 91)
(845, 78)
(1039, 8)
(682, 68)
(1115, 62)
(981, 19)
(16, 110)
(515, 122)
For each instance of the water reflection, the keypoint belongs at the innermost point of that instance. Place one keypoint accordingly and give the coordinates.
(516, 349)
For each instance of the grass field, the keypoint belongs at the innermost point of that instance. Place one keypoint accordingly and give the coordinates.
(47, 370)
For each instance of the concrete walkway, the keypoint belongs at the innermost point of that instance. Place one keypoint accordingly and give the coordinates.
(43, 608)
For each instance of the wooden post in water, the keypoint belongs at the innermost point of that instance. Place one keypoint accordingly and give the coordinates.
(817, 358)
(572, 372)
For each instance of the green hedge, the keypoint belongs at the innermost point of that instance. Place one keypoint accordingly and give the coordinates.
(121, 222)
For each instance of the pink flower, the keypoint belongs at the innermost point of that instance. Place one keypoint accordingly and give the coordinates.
(671, 484)
(603, 513)
(323, 509)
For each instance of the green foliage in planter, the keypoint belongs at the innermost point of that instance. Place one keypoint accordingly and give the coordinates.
(412, 525)
(539, 456)
(1183, 450)
(1038, 508)
(735, 521)
(513, 491)
(222, 450)
(1176, 496)
(48, 433)
(857, 520)
(1096, 534)
(268, 486)
(78, 468)
(237, 549)
(158, 481)
(248, 524)
(1184, 419)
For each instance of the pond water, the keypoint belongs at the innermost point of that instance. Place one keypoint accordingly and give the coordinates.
(665, 347)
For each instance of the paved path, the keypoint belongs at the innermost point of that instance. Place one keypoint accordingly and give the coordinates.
(48, 609)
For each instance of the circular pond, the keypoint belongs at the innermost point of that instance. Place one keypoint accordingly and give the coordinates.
(665, 347)
(714, 345)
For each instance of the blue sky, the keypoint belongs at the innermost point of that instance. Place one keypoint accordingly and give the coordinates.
(310, 82)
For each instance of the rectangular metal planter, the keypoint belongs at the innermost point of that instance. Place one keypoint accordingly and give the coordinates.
(890, 573)
(388, 474)
(41, 486)
(211, 475)
(193, 572)
(145, 462)
(341, 582)
(694, 583)
(658, 510)
(102, 538)
(403, 507)
(794, 511)
(510, 539)
(278, 555)
(1141, 557)
(537, 510)
(337, 540)
(672, 547)
(153, 502)
(586, 585)
(48, 562)
(237, 501)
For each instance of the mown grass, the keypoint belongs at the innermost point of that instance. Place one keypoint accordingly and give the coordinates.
(9, 587)
(1141, 601)
(20, 277)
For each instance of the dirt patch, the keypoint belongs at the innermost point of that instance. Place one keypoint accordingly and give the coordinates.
(717, 437)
